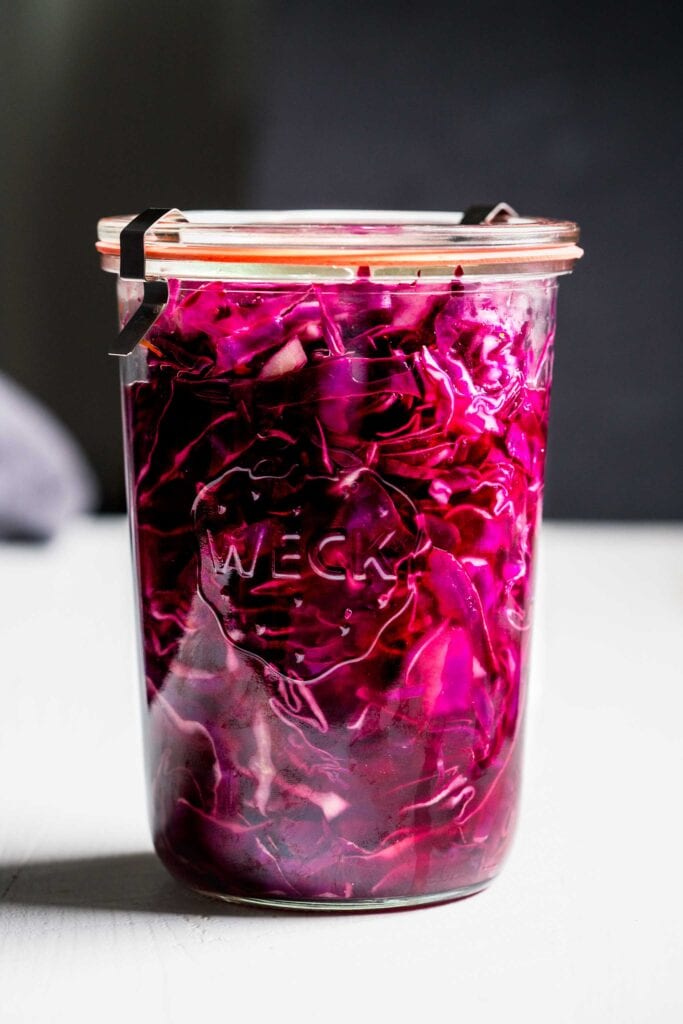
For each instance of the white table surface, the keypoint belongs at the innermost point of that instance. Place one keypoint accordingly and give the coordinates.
(584, 924)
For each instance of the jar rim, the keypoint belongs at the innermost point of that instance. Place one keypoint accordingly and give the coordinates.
(345, 238)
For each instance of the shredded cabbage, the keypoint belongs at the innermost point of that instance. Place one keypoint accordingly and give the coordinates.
(335, 490)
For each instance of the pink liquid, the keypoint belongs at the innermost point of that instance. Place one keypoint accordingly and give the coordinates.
(335, 490)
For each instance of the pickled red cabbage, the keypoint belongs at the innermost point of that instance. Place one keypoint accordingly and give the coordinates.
(335, 489)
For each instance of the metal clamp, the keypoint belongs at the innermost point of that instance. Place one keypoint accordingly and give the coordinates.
(132, 268)
(487, 213)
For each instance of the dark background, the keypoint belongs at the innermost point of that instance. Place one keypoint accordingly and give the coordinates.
(563, 110)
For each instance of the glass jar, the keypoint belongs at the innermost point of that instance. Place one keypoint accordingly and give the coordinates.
(335, 434)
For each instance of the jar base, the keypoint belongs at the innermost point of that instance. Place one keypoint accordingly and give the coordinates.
(380, 903)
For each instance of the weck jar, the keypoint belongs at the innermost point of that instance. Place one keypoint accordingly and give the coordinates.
(335, 435)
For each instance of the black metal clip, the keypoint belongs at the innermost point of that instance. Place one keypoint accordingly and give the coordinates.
(132, 268)
(487, 213)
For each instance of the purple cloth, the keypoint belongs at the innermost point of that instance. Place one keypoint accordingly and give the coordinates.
(44, 478)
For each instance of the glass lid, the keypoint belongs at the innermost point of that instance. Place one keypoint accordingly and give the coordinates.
(345, 239)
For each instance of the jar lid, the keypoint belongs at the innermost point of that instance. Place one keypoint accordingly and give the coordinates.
(229, 244)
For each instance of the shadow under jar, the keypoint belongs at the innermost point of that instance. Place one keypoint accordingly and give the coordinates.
(335, 436)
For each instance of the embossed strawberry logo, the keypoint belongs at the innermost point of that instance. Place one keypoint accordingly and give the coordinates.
(304, 569)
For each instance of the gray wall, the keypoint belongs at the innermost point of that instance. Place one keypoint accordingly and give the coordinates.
(561, 109)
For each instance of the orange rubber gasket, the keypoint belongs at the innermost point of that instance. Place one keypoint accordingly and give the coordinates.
(355, 257)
